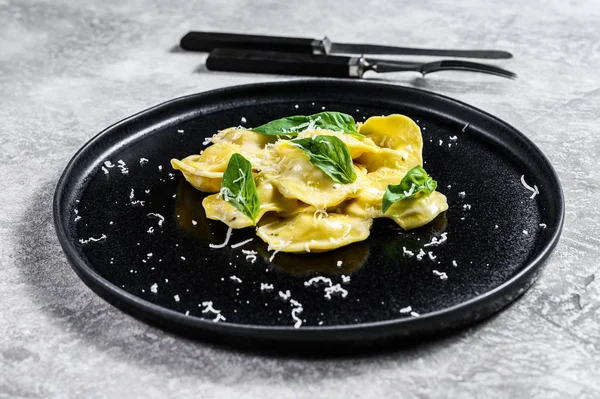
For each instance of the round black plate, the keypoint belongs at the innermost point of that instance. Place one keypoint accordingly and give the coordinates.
(166, 273)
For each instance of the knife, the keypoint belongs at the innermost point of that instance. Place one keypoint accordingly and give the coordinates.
(208, 41)
(234, 60)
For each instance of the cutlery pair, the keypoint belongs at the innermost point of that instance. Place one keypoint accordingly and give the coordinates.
(301, 56)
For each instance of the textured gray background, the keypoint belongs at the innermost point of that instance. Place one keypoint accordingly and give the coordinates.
(68, 70)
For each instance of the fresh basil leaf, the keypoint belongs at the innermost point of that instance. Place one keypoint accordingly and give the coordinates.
(331, 155)
(416, 181)
(238, 187)
(292, 125)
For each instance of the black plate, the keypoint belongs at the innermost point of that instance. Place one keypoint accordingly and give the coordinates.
(493, 251)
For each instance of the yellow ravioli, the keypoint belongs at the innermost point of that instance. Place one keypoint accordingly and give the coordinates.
(306, 232)
(270, 201)
(396, 132)
(296, 177)
(356, 145)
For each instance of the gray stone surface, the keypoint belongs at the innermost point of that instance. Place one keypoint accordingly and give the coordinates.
(69, 69)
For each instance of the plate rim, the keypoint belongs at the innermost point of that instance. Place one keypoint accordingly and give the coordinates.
(129, 303)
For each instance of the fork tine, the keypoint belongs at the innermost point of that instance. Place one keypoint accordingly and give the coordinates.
(453, 65)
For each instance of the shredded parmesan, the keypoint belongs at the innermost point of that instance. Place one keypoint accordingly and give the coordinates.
(407, 252)
(154, 288)
(92, 239)
(240, 244)
(465, 127)
(318, 279)
(295, 311)
(337, 288)
(421, 254)
(160, 217)
(285, 295)
(250, 255)
(121, 165)
(543, 225)
(441, 275)
(534, 190)
(266, 287)
(224, 244)
(407, 309)
(143, 161)
(435, 241)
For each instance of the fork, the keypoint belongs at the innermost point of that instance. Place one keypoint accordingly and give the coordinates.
(236, 60)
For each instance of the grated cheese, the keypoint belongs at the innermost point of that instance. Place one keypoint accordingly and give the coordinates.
(224, 244)
(335, 289)
(154, 288)
(160, 217)
(441, 275)
(239, 244)
(285, 295)
(236, 279)
(534, 190)
(92, 239)
(435, 241)
(121, 165)
(407, 309)
(407, 252)
(318, 279)
(266, 287)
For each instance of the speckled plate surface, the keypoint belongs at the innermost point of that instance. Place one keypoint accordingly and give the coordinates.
(136, 234)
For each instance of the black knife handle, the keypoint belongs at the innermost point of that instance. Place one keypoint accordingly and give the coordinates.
(207, 41)
(223, 59)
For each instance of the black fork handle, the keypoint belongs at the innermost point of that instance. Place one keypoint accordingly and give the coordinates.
(232, 60)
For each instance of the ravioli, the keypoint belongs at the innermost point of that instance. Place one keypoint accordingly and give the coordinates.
(271, 200)
(396, 132)
(296, 177)
(357, 146)
(306, 232)
(302, 207)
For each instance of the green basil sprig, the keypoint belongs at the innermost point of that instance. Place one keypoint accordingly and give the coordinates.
(238, 187)
(416, 181)
(292, 125)
(331, 155)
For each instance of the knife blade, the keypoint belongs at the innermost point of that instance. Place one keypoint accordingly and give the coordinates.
(235, 60)
(208, 41)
